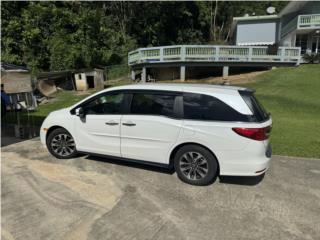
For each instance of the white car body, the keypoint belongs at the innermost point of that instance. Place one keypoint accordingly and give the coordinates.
(154, 138)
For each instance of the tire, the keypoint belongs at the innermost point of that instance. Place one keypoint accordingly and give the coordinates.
(61, 144)
(195, 165)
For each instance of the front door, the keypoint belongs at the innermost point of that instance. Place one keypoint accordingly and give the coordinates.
(151, 128)
(99, 130)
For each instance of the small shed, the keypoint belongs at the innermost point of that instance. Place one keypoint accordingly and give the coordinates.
(89, 79)
(17, 83)
(49, 82)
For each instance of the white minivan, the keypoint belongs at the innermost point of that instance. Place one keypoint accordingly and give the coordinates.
(201, 130)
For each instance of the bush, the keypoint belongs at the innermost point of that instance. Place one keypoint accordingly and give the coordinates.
(117, 71)
(311, 57)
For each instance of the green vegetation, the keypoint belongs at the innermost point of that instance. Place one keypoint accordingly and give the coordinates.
(117, 71)
(60, 100)
(53, 35)
(292, 96)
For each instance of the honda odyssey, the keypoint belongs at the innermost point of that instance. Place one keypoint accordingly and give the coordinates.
(201, 130)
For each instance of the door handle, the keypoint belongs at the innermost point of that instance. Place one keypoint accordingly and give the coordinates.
(112, 123)
(129, 124)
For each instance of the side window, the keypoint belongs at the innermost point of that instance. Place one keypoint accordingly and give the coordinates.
(204, 107)
(105, 104)
(153, 104)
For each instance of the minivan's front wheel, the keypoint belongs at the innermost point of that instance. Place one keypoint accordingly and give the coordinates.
(61, 144)
(195, 165)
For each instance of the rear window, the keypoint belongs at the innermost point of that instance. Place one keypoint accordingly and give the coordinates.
(259, 113)
(205, 107)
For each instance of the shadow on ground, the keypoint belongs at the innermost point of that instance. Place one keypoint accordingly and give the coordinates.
(127, 163)
(248, 181)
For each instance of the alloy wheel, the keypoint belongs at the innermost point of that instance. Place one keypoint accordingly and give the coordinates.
(63, 144)
(193, 165)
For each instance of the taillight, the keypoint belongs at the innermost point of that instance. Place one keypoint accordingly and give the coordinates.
(258, 134)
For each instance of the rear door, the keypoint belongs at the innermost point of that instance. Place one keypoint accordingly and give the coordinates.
(99, 131)
(151, 127)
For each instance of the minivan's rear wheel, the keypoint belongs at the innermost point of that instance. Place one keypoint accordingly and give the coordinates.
(195, 165)
(61, 144)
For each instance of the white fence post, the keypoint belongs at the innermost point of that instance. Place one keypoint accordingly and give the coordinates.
(183, 53)
(216, 58)
(133, 75)
(250, 54)
(161, 54)
(182, 73)
(144, 75)
(283, 52)
(225, 72)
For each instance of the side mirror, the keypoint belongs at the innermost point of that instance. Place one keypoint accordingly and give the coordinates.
(79, 112)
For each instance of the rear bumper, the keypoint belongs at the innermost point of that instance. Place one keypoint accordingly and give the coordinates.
(253, 162)
(248, 169)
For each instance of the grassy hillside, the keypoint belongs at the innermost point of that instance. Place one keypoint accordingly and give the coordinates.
(292, 95)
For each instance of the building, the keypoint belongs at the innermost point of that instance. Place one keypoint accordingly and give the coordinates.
(80, 80)
(90, 78)
(257, 41)
(49, 82)
(297, 25)
(17, 83)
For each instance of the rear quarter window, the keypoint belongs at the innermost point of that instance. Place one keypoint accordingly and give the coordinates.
(209, 108)
(258, 111)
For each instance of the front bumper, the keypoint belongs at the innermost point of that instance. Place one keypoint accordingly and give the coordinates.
(43, 136)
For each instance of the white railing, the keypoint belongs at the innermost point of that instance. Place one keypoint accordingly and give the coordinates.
(309, 21)
(212, 53)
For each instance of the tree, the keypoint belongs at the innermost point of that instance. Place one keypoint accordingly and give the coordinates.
(67, 35)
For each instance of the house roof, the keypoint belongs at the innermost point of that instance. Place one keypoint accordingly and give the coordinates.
(7, 67)
(262, 17)
(292, 7)
(63, 73)
(53, 75)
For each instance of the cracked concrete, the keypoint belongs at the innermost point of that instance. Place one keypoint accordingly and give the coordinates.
(96, 198)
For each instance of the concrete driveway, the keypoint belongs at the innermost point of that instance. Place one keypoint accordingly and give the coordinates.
(95, 198)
